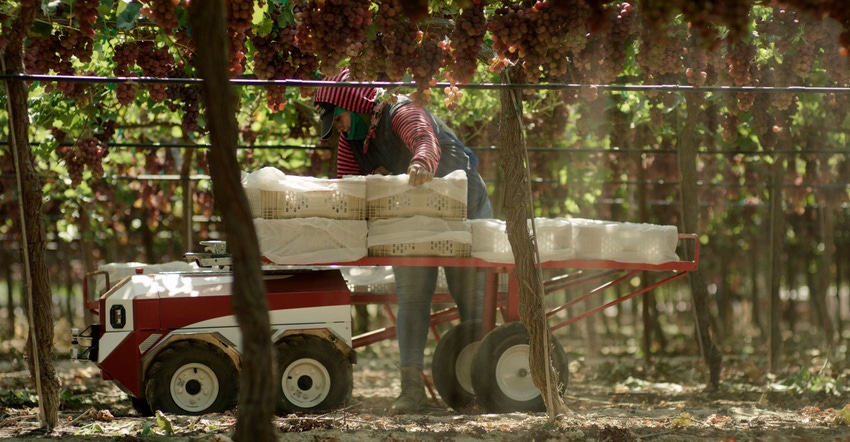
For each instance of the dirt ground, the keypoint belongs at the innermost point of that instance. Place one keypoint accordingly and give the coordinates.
(610, 398)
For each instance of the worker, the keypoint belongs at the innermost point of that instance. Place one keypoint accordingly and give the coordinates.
(397, 137)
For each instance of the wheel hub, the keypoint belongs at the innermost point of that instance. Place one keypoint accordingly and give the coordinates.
(194, 387)
(512, 374)
(306, 383)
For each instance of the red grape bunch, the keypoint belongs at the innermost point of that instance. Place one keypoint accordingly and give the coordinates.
(604, 55)
(333, 29)
(660, 53)
(155, 62)
(399, 36)
(466, 39)
(124, 56)
(543, 35)
(86, 13)
(185, 97)
(163, 13)
(276, 56)
(426, 62)
(240, 13)
(368, 64)
(86, 152)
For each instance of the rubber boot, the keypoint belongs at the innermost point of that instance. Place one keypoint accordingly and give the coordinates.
(412, 396)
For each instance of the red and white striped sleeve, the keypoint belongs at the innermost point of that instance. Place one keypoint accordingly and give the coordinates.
(413, 126)
(345, 163)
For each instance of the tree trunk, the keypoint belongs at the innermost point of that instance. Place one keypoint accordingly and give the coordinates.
(687, 152)
(37, 285)
(9, 327)
(754, 288)
(824, 272)
(257, 386)
(777, 239)
(528, 272)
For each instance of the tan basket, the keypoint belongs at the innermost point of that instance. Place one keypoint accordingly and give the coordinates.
(416, 201)
(441, 248)
(272, 204)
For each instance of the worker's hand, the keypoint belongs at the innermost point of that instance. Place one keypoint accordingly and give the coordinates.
(381, 170)
(419, 175)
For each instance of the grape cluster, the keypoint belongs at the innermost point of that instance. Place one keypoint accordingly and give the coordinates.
(239, 16)
(738, 60)
(660, 54)
(696, 61)
(107, 131)
(543, 35)
(46, 54)
(86, 14)
(743, 71)
(836, 9)
(779, 78)
(762, 121)
(155, 62)
(466, 39)
(426, 62)
(248, 134)
(333, 30)
(399, 37)
(453, 95)
(368, 64)
(604, 55)
(124, 56)
(277, 56)
(185, 97)
(163, 13)
(729, 127)
(803, 61)
(86, 152)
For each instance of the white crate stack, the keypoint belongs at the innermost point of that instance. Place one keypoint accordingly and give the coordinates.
(427, 220)
(561, 239)
(490, 240)
(307, 220)
(625, 242)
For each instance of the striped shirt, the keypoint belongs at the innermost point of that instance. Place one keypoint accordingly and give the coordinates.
(413, 127)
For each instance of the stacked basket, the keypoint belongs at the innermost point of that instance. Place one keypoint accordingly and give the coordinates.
(561, 239)
(427, 220)
(307, 220)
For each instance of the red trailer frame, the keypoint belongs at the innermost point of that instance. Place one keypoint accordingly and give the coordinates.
(611, 273)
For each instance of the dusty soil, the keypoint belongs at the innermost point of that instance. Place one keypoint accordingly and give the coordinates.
(611, 398)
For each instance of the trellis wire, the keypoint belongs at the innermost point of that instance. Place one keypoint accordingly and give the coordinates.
(407, 84)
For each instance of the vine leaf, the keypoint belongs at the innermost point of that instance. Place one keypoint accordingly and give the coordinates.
(127, 15)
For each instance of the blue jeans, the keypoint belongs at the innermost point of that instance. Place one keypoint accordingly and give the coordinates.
(415, 287)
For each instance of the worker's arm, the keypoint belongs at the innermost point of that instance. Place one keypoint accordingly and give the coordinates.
(413, 126)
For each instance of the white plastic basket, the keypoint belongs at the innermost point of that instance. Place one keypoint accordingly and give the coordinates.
(275, 195)
(625, 242)
(419, 236)
(390, 196)
(311, 240)
(490, 240)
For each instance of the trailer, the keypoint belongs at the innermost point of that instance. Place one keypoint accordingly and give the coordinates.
(171, 342)
(498, 353)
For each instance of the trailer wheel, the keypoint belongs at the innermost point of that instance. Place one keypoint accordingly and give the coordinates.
(194, 378)
(451, 365)
(314, 374)
(504, 383)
